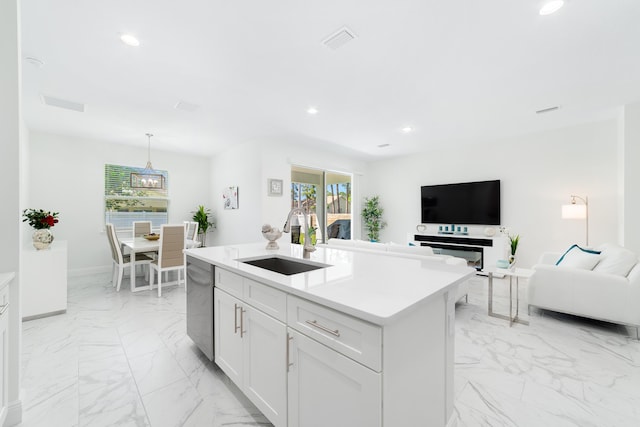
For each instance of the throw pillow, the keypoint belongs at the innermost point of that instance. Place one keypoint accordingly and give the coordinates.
(616, 260)
(578, 257)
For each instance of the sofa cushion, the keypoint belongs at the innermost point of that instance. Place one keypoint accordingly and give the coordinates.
(410, 249)
(616, 260)
(578, 257)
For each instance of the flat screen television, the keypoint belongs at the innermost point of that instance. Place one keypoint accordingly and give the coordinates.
(474, 203)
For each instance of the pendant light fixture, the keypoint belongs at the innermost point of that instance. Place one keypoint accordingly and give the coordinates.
(148, 178)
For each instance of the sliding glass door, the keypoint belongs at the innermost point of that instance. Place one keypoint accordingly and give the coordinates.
(327, 197)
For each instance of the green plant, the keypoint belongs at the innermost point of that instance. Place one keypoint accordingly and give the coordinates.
(201, 216)
(372, 215)
(513, 242)
(40, 219)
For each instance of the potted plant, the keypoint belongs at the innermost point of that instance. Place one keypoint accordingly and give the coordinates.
(41, 221)
(513, 244)
(201, 216)
(372, 215)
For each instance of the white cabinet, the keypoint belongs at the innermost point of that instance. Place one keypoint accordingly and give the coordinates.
(4, 347)
(250, 347)
(327, 388)
(227, 342)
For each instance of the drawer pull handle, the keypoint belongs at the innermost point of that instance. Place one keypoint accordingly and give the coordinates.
(235, 319)
(3, 308)
(324, 328)
(289, 364)
(242, 331)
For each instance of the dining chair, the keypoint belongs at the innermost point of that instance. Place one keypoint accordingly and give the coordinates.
(170, 255)
(191, 234)
(140, 228)
(121, 261)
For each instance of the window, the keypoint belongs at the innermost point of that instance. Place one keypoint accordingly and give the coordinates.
(327, 195)
(125, 204)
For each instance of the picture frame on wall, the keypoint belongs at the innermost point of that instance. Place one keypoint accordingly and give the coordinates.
(230, 197)
(275, 187)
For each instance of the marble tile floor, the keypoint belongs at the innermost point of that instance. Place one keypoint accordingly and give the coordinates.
(122, 359)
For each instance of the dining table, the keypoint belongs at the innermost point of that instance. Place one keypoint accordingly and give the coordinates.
(139, 245)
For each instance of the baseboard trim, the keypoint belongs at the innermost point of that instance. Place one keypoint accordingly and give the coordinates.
(14, 414)
(78, 272)
(40, 316)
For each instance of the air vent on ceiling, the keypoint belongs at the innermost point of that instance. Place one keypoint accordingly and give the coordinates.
(185, 106)
(383, 145)
(62, 103)
(339, 38)
(548, 110)
(36, 62)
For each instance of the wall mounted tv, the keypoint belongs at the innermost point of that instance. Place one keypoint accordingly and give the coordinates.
(474, 203)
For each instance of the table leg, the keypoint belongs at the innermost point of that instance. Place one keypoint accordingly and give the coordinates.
(133, 271)
(510, 318)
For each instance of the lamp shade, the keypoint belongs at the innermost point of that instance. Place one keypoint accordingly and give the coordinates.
(574, 211)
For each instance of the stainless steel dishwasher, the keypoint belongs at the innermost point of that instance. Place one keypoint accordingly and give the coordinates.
(200, 304)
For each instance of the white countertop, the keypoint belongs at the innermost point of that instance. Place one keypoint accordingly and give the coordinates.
(5, 278)
(371, 286)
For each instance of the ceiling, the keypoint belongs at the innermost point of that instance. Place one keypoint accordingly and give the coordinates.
(457, 72)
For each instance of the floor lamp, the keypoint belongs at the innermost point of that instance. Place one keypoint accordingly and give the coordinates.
(577, 211)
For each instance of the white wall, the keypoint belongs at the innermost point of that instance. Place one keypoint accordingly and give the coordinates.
(249, 166)
(630, 146)
(10, 155)
(538, 173)
(67, 175)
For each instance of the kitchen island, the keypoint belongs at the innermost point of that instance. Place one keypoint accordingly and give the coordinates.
(364, 340)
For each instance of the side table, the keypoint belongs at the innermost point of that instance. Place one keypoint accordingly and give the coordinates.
(518, 273)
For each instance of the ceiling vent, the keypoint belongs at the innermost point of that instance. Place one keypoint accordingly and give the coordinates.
(339, 38)
(185, 106)
(548, 110)
(62, 103)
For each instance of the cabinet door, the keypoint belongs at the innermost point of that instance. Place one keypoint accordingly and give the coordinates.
(265, 365)
(329, 389)
(4, 347)
(228, 342)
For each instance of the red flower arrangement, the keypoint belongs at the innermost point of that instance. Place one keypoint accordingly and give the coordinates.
(40, 219)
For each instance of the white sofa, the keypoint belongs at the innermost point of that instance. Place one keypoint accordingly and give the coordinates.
(403, 250)
(604, 286)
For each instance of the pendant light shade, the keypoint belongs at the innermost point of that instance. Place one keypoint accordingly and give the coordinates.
(148, 178)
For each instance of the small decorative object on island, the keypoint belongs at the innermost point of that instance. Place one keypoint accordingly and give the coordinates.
(42, 221)
(513, 243)
(372, 215)
(201, 216)
(271, 234)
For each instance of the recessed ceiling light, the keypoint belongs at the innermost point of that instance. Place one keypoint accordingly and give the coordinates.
(312, 110)
(551, 7)
(407, 129)
(130, 40)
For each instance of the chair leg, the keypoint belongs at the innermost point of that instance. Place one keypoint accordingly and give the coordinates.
(114, 272)
(159, 284)
(637, 336)
(120, 274)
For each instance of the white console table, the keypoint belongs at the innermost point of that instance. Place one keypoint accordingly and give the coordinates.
(44, 281)
(481, 251)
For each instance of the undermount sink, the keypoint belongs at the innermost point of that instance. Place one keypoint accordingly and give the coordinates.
(282, 265)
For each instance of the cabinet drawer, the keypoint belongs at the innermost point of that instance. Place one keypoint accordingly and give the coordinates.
(230, 282)
(355, 338)
(266, 299)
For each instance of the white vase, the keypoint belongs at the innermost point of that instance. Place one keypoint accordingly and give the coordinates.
(42, 239)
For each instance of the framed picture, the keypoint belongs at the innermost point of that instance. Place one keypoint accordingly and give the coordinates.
(230, 197)
(275, 187)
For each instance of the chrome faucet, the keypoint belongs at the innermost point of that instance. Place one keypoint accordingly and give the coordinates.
(308, 246)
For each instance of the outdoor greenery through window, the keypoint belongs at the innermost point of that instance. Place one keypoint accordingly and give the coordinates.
(327, 197)
(124, 204)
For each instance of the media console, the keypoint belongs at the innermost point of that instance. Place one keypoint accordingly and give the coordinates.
(479, 251)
